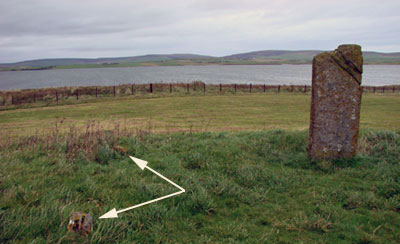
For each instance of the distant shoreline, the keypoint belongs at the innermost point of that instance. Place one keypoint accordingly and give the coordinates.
(100, 66)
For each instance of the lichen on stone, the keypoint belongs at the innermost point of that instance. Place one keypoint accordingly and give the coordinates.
(349, 58)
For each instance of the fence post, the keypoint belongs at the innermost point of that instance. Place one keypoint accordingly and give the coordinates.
(97, 92)
(57, 96)
(151, 87)
(220, 88)
(393, 89)
(77, 94)
(279, 88)
(383, 89)
(114, 91)
(131, 89)
(305, 88)
(250, 87)
(187, 88)
(170, 87)
(235, 87)
(34, 97)
(264, 87)
(204, 88)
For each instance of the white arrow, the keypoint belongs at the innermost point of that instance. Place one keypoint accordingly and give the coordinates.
(142, 165)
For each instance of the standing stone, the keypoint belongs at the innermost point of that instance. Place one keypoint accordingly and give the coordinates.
(335, 104)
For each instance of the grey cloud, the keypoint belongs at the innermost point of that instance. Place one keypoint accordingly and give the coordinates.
(94, 28)
(73, 17)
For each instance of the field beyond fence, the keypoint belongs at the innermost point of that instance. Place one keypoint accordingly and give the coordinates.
(51, 95)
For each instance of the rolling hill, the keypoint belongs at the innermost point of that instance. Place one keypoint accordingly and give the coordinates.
(306, 56)
(257, 57)
(73, 61)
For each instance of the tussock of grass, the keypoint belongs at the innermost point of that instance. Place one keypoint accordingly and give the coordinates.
(253, 187)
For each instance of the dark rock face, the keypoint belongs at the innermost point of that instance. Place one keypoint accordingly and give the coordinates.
(335, 104)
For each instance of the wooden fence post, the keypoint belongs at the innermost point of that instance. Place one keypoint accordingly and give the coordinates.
(170, 87)
(305, 88)
(57, 96)
(151, 87)
(204, 88)
(77, 94)
(264, 87)
(235, 87)
(132, 89)
(114, 91)
(220, 88)
(187, 88)
(279, 88)
(250, 87)
(393, 89)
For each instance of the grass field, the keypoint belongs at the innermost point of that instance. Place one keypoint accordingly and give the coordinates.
(197, 113)
(241, 158)
(242, 187)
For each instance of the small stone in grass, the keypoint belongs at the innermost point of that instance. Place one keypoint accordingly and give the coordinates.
(80, 223)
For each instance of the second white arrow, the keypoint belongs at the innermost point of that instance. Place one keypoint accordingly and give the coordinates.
(142, 165)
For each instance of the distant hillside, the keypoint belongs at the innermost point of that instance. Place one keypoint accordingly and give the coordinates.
(378, 58)
(306, 56)
(258, 57)
(120, 60)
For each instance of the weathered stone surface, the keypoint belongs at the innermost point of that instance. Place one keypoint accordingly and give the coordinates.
(80, 223)
(335, 104)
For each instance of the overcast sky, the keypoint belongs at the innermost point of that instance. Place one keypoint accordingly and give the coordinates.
(35, 29)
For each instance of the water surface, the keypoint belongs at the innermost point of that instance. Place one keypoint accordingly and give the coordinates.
(374, 75)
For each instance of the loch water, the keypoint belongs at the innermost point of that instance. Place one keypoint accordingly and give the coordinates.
(373, 75)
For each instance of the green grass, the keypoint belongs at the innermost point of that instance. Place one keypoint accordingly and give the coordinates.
(254, 185)
(228, 112)
(241, 187)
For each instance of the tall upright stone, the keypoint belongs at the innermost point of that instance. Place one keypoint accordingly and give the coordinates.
(335, 104)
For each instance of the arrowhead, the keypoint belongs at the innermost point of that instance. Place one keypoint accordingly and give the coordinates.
(110, 214)
(141, 163)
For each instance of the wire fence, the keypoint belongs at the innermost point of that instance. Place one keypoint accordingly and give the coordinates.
(54, 95)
